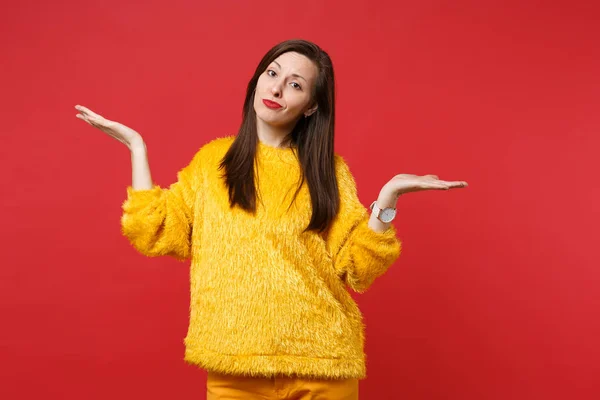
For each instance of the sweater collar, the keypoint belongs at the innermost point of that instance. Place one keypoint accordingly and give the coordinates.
(272, 153)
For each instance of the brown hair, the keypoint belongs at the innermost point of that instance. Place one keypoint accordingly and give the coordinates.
(312, 136)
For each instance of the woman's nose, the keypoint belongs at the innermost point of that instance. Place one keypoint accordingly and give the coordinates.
(276, 89)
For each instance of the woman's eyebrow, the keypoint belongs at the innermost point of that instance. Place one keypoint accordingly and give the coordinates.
(296, 75)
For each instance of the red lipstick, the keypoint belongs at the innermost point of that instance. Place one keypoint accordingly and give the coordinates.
(271, 104)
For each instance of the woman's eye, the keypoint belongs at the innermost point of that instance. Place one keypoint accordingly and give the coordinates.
(295, 85)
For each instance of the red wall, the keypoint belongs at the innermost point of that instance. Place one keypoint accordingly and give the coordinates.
(496, 293)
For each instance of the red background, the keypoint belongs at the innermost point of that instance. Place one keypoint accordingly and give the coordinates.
(496, 293)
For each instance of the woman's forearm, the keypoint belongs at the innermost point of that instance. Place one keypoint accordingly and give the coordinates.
(385, 199)
(140, 168)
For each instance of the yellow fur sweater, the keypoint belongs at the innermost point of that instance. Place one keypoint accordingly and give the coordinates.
(266, 298)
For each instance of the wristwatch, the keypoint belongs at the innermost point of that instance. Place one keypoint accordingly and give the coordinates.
(385, 215)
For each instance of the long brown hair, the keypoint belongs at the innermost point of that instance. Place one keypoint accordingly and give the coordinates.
(312, 136)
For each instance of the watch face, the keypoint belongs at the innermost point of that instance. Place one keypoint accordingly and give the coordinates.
(387, 214)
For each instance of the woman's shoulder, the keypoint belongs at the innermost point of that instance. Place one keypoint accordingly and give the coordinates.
(214, 149)
(218, 146)
(341, 165)
(211, 152)
(344, 175)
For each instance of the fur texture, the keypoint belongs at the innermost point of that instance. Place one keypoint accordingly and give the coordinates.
(266, 298)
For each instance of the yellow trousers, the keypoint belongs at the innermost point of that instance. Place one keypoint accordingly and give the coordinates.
(221, 387)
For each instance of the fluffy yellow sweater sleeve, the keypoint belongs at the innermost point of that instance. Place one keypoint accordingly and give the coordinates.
(157, 221)
(359, 253)
(266, 297)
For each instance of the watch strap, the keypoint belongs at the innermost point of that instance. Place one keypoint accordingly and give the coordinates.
(377, 211)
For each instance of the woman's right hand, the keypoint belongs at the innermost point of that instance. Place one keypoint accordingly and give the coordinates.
(114, 129)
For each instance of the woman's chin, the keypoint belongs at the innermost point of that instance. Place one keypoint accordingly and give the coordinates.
(273, 122)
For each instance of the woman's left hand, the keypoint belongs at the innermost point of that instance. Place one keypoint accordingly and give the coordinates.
(406, 183)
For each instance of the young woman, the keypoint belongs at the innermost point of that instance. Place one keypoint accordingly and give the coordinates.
(271, 221)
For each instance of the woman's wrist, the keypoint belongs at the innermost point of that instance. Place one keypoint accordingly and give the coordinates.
(387, 198)
(137, 145)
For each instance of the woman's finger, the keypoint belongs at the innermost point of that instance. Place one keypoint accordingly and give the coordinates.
(86, 111)
(435, 186)
(96, 120)
(458, 184)
(80, 116)
(452, 183)
(85, 119)
(82, 108)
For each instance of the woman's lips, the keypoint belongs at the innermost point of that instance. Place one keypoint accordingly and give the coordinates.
(271, 104)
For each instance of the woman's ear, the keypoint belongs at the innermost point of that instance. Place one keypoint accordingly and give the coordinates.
(310, 111)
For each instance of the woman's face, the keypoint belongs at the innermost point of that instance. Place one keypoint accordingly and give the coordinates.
(286, 86)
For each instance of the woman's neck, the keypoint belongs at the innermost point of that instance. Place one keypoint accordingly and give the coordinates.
(272, 136)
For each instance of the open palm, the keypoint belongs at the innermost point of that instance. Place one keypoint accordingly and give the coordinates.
(114, 129)
(406, 183)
